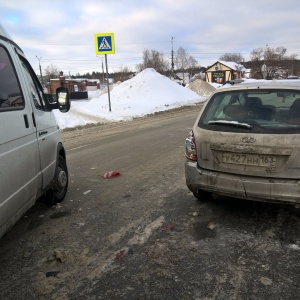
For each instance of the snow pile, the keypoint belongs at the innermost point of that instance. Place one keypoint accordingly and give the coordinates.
(146, 93)
(96, 94)
(201, 87)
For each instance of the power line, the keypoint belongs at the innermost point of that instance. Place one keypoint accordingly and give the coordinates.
(159, 42)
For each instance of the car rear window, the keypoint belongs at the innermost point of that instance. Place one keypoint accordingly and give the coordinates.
(258, 111)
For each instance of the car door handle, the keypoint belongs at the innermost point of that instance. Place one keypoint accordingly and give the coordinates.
(42, 133)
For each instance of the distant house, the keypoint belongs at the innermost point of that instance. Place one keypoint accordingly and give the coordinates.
(222, 71)
(73, 85)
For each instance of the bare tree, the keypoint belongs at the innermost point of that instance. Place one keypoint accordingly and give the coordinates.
(235, 57)
(181, 59)
(123, 74)
(185, 62)
(125, 69)
(257, 63)
(153, 59)
(193, 65)
(51, 71)
(293, 66)
(271, 62)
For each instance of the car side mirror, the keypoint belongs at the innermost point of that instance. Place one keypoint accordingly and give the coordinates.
(63, 99)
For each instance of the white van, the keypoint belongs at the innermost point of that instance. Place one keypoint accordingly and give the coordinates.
(32, 157)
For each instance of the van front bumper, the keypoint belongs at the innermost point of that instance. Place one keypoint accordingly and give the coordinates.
(241, 186)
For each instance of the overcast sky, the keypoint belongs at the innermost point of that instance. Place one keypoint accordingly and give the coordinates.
(61, 32)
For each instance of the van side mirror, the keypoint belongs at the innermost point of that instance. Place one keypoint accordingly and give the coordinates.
(63, 99)
(60, 100)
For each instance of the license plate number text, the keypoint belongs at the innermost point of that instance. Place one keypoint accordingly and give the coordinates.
(249, 159)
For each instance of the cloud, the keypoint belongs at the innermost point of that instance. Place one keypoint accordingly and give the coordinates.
(62, 31)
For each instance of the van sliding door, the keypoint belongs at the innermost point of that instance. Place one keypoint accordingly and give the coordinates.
(19, 166)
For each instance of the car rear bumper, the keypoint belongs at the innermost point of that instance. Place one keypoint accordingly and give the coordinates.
(242, 186)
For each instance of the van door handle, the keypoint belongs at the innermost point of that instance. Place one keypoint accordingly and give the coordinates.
(33, 120)
(42, 132)
(26, 121)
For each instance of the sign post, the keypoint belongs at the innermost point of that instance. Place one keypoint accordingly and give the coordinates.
(105, 44)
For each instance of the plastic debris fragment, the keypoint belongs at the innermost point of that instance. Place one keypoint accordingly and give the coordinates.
(111, 174)
(120, 254)
(167, 228)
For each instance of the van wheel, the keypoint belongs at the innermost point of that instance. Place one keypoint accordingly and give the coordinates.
(60, 180)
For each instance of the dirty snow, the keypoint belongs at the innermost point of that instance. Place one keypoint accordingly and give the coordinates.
(146, 93)
(201, 87)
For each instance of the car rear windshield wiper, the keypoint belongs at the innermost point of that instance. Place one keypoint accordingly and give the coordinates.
(230, 123)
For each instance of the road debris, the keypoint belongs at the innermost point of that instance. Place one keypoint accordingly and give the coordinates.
(111, 174)
(211, 225)
(294, 247)
(120, 254)
(167, 227)
(265, 281)
(59, 255)
(52, 274)
(87, 192)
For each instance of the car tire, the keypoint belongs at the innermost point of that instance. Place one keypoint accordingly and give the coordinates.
(61, 180)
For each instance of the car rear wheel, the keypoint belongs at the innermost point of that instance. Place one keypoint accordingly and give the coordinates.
(61, 180)
(202, 195)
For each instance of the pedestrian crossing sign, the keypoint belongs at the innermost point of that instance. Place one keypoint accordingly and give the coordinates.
(104, 43)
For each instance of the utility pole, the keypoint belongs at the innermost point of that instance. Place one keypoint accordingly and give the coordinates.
(172, 55)
(40, 67)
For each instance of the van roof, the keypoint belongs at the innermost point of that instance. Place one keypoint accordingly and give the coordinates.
(4, 33)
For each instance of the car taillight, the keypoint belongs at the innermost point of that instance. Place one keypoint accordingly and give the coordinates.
(190, 146)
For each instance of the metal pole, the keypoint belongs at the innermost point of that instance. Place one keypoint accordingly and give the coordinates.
(40, 68)
(102, 71)
(107, 82)
(172, 63)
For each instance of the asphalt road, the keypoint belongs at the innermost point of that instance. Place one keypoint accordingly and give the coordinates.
(142, 235)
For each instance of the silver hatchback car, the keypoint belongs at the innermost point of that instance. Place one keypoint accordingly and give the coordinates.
(245, 143)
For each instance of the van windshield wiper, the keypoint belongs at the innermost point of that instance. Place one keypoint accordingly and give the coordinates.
(230, 123)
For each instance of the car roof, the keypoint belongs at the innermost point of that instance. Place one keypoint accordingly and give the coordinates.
(262, 84)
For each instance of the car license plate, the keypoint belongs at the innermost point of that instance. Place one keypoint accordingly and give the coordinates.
(249, 159)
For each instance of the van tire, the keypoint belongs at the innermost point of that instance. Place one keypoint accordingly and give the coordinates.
(61, 180)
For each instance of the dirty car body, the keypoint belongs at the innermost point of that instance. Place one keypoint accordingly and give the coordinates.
(245, 143)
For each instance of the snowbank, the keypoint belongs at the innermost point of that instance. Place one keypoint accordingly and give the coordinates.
(146, 93)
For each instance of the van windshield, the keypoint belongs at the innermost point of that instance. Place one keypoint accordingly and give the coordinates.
(10, 92)
(263, 111)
